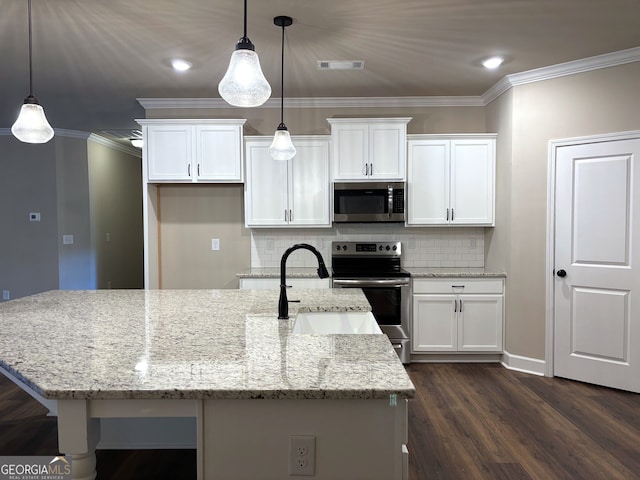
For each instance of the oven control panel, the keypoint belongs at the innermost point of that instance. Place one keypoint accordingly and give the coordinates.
(385, 249)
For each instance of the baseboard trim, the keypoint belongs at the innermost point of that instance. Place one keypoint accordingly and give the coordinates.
(519, 363)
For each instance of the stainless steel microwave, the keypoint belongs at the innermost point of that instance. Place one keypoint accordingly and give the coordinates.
(368, 202)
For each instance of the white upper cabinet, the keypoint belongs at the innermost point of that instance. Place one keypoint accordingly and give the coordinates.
(204, 150)
(292, 193)
(368, 148)
(451, 180)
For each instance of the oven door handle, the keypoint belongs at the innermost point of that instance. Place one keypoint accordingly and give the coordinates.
(384, 282)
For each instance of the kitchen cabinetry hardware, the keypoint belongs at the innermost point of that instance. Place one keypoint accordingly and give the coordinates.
(300, 184)
(475, 324)
(368, 149)
(561, 273)
(454, 174)
(211, 149)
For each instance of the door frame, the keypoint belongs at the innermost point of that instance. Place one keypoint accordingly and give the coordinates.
(551, 233)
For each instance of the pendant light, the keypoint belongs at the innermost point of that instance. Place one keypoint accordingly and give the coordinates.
(244, 84)
(282, 148)
(31, 125)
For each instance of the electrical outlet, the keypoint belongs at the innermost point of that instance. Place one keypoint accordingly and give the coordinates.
(302, 455)
(5, 295)
(215, 244)
(67, 239)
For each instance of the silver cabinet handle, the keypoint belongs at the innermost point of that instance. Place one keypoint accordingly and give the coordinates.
(285, 214)
(366, 169)
(452, 214)
(455, 306)
(189, 169)
(447, 214)
(460, 305)
(371, 169)
(198, 169)
(291, 215)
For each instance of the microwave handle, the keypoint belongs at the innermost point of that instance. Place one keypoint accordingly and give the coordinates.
(390, 200)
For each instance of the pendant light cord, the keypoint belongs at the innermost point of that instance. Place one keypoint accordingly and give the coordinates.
(30, 53)
(281, 79)
(245, 19)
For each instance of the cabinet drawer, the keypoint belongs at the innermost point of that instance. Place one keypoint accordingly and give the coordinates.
(458, 285)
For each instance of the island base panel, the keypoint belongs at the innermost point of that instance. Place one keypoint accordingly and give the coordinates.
(355, 439)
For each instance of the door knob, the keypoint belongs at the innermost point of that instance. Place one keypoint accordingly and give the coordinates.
(561, 273)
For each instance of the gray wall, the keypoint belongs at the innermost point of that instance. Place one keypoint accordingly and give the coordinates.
(28, 250)
(115, 194)
(597, 102)
(79, 187)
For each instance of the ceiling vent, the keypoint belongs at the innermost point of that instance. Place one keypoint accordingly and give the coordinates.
(340, 64)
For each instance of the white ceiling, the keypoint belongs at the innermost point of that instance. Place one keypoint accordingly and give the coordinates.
(93, 58)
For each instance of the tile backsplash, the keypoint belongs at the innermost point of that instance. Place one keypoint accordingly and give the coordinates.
(421, 247)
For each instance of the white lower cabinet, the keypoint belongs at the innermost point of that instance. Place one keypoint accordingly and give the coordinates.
(291, 193)
(458, 315)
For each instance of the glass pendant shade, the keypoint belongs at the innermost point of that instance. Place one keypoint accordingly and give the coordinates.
(32, 125)
(282, 148)
(244, 84)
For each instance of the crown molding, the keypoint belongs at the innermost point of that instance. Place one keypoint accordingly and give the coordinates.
(135, 152)
(504, 84)
(561, 70)
(58, 132)
(319, 102)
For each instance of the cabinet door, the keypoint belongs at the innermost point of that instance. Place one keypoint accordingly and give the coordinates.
(309, 199)
(350, 151)
(428, 182)
(435, 327)
(387, 151)
(219, 153)
(472, 181)
(266, 187)
(480, 323)
(168, 150)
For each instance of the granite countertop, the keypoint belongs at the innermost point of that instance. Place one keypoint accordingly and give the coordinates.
(224, 344)
(426, 272)
(274, 272)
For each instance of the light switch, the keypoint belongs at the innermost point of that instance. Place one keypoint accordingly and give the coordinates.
(215, 244)
(67, 239)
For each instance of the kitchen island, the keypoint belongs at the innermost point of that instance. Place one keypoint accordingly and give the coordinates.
(222, 357)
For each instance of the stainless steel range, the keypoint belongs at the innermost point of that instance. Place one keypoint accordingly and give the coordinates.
(376, 268)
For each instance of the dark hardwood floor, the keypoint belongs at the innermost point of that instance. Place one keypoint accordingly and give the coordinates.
(468, 421)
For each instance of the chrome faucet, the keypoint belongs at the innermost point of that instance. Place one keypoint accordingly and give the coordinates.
(283, 302)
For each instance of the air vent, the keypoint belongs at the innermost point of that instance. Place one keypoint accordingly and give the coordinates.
(341, 64)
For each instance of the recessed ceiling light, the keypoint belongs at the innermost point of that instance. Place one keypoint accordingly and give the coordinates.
(341, 64)
(493, 62)
(180, 65)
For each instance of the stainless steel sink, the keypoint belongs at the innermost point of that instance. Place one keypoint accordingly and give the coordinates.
(330, 323)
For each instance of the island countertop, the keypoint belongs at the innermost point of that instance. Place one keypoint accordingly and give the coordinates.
(206, 344)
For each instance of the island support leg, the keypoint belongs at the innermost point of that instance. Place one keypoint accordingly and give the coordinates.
(78, 435)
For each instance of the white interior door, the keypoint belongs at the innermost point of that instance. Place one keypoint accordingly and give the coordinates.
(597, 256)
